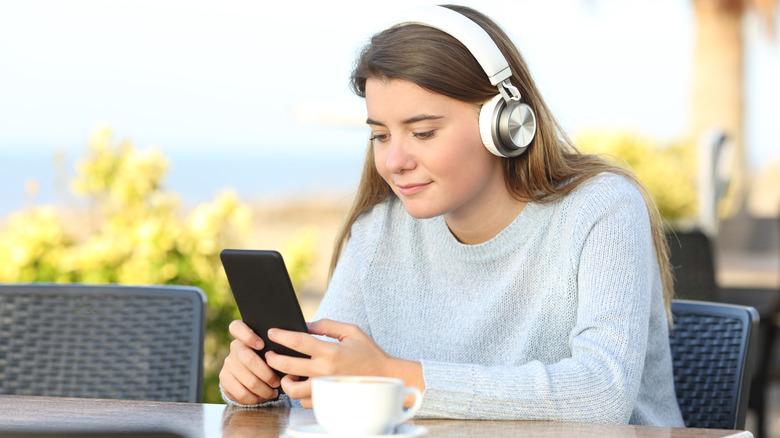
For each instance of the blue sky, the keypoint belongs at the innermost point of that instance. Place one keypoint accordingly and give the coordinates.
(248, 77)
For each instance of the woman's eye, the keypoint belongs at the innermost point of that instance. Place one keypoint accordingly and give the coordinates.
(424, 135)
(379, 137)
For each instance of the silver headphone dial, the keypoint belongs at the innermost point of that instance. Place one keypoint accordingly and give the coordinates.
(521, 125)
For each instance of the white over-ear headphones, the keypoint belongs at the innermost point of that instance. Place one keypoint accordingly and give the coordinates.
(506, 124)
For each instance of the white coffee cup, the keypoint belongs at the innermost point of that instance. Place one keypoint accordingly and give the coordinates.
(362, 405)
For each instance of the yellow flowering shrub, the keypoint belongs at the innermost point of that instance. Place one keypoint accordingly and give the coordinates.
(668, 171)
(299, 255)
(137, 233)
(32, 245)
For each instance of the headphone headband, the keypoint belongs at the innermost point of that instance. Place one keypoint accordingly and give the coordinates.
(506, 124)
(469, 33)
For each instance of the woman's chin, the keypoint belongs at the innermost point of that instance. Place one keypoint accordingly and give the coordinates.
(418, 211)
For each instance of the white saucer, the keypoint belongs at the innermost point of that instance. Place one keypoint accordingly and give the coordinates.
(316, 431)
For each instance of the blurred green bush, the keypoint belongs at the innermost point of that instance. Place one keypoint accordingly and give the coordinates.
(668, 171)
(134, 232)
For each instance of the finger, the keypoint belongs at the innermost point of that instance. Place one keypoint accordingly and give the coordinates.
(252, 363)
(333, 329)
(298, 341)
(243, 390)
(253, 382)
(235, 391)
(290, 365)
(296, 388)
(239, 330)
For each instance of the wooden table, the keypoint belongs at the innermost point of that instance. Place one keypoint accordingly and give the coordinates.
(72, 416)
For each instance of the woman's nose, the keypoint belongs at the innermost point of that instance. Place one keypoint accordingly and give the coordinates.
(399, 157)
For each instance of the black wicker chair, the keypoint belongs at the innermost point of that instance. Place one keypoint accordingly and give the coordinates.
(712, 346)
(693, 262)
(102, 341)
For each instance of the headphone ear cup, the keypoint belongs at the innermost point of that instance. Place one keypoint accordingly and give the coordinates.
(488, 127)
(506, 129)
(517, 127)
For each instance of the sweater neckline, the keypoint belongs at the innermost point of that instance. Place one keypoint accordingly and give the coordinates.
(501, 244)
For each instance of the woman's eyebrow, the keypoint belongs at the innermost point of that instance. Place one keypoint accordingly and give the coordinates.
(413, 119)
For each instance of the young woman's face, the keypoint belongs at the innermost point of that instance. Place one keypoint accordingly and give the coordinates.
(428, 148)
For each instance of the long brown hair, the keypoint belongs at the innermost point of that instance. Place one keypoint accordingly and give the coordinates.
(552, 166)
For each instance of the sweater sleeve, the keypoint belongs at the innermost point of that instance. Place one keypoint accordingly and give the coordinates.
(616, 275)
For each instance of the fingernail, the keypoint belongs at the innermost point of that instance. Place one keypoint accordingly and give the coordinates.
(259, 344)
(271, 333)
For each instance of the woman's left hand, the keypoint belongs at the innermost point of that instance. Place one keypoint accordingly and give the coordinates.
(355, 354)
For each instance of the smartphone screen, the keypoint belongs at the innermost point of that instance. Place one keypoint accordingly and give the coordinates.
(264, 295)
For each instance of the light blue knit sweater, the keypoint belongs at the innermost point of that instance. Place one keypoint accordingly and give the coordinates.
(558, 317)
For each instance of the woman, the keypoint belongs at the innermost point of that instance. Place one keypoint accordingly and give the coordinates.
(524, 287)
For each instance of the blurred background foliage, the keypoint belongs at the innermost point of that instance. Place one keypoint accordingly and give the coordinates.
(667, 170)
(133, 231)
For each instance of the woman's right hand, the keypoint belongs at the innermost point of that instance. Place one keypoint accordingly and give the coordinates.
(245, 377)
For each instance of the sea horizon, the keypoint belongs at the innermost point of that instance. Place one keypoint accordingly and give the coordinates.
(195, 177)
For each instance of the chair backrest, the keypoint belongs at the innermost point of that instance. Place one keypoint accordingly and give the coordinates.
(102, 341)
(712, 346)
(693, 262)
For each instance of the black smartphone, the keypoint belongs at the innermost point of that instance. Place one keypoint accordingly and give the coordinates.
(264, 295)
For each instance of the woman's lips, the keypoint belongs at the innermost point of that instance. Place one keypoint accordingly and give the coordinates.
(411, 189)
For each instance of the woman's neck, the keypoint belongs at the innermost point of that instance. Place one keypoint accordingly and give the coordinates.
(472, 228)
